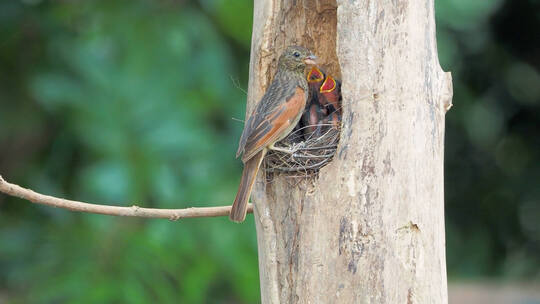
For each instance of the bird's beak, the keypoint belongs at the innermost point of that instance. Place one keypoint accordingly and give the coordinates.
(328, 85)
(315, 75)
(311, 60)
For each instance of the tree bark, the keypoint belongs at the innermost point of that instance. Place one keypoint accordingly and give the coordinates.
(370, 227)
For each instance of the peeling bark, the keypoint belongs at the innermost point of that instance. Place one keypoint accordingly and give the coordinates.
(370, 227)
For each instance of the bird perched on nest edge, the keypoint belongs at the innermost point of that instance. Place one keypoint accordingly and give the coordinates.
(274, 117)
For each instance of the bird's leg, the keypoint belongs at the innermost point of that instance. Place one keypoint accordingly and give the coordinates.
(280, 149)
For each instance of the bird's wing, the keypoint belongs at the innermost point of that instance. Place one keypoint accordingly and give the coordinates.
(264, 128)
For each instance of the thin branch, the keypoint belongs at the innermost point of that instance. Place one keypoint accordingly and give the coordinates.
(135, 211)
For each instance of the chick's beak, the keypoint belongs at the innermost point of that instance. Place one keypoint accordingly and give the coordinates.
(311, 60)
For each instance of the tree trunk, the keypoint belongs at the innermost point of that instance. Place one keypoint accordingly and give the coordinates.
(370, 227)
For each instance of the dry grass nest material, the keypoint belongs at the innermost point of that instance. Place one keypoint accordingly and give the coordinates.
(306, 153)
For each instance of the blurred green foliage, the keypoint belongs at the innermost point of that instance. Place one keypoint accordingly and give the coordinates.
(133, 101)
(124, 101)
(492, 137)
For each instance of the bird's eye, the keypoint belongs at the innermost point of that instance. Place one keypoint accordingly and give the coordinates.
(296, 54)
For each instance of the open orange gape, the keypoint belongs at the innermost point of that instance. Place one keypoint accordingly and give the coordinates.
(313, 142)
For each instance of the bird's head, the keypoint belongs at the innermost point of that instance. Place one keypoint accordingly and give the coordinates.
(296, 58)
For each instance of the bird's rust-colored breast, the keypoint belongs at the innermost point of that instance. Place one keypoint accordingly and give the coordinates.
(276, 123)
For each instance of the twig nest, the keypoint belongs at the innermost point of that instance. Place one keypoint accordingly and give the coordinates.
(304, 155)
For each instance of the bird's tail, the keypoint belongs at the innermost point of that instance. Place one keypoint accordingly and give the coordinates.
(239, 207)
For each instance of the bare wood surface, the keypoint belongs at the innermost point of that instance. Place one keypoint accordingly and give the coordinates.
(133, 211)
(370, 227)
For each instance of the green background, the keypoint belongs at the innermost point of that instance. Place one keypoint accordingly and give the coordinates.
(138, 102)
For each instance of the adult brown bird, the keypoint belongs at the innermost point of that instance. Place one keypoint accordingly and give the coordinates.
(274, 117)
